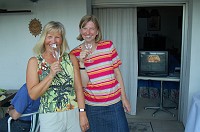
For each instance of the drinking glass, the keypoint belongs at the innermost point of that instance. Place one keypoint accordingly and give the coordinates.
(88, 46)
(55, 51)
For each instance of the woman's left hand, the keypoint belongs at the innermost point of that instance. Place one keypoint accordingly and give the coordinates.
(126, 105)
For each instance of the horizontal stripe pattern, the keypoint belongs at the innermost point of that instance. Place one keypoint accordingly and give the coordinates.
(103, 88)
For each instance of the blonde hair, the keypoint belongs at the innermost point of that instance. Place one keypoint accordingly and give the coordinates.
(85, 19)
(51, 27)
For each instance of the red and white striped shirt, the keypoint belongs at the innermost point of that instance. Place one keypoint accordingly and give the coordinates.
(103, 88)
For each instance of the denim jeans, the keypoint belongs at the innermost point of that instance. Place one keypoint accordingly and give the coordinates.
(107, 118)
(16, 126)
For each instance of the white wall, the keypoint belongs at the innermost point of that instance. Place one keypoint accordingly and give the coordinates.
(17, 42)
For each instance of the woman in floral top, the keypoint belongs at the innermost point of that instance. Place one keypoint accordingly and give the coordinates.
(57, 81)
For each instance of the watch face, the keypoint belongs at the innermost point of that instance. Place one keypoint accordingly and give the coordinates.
(81, 110)
(35, 27)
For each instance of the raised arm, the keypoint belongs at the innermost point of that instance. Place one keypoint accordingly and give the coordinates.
(84, 75)
(82, 56)
(35, 87)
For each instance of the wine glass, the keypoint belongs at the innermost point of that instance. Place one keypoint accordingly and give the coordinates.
(88, 46)
(55, 51)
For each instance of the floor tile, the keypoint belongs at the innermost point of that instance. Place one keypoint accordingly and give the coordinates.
(161, 122)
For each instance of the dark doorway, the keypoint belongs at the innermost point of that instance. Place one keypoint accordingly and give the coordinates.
(160, 29)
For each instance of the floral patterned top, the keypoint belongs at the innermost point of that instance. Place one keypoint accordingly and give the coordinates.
(61, 94)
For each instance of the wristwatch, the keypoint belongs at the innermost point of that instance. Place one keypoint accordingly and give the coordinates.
(81, 110)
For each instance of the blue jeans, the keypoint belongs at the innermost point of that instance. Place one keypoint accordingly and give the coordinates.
(107, 118)
(16, 126)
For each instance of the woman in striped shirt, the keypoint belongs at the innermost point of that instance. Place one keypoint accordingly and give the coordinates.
(102, 80)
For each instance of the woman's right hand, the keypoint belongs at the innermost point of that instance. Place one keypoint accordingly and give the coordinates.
(54, 68)
(83, 55)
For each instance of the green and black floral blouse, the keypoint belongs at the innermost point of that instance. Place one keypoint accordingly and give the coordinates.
(61, 94)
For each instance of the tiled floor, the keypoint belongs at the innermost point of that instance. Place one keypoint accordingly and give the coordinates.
(162, 121)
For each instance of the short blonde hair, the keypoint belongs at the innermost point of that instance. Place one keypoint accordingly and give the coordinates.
(85, 19)
(51, 27)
